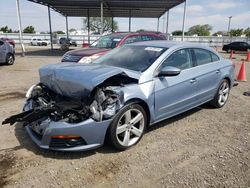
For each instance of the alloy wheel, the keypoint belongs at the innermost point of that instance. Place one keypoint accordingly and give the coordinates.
(223, 93)
(130, 127)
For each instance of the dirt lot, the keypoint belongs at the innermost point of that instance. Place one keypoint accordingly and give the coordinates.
(203, 147)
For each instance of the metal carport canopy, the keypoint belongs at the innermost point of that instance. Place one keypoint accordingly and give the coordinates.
(111, 8)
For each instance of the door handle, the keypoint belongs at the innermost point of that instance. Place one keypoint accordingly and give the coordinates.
(193, 80)
(217, 71)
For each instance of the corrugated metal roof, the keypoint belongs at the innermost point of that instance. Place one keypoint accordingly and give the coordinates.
(112, 8)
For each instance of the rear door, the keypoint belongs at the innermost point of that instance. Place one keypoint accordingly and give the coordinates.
(208, 74)
(244, 46)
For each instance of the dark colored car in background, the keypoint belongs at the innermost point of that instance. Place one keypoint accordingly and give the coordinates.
(69, 41)
(236, 46)
(10, 41)
(108, 42)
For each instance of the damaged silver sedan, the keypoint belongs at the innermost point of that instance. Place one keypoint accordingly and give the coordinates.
(76, 106)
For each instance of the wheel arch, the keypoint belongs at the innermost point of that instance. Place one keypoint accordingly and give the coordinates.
(229, 80)
(144, 106)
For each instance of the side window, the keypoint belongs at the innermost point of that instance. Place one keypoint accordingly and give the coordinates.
(214, 57)
(147, 37)
(180, 59)
(202, 56)
(243, 44)
(132, 39)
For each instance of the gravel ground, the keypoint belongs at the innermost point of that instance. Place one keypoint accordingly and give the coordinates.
(204, 147)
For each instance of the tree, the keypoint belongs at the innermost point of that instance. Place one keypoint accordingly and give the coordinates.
(95, 24)
(29, 29)
(247, 32)
(6, 29)
(140, 30)
(200, 30)
(72, 30)
(59, 32)
(236, 32)
(177, 33)
(223, 33)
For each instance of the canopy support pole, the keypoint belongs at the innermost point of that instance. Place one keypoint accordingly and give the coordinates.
(101, 17)
(158, 24)
(112, 23)
(184, 21)
(129, 21)
(20, 28)
(167, 22)
(67, 27)
(88, 28)
(50, 30)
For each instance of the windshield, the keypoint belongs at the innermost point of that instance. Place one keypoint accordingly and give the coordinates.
(137, 58)
(110, 41)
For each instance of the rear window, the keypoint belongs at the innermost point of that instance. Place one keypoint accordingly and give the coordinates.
(133, 39)
(147, 37)
(214, 57)
(202, 56)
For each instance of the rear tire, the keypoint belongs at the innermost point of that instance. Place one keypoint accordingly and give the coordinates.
(10, 59)
(127, 128)
(222, 95)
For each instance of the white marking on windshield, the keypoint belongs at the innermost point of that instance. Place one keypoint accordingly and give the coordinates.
(153, 49)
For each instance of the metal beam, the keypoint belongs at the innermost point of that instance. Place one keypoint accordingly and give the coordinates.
(129, 21)
(88, 28)
(229, 24)
(158, 24)
(112, 24)
(50, 30)
(101, 17)
(67, 27)
(184, 20)
(112, 8)
(167, 22)
(163, 22)
(20, 28)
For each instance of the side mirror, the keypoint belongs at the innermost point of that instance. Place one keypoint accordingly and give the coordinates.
(169, 71)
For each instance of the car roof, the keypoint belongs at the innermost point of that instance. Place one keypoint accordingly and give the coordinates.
(168, 44)
(123, 34)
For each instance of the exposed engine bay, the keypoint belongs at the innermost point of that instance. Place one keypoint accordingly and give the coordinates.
(46, 103)
(102, 103)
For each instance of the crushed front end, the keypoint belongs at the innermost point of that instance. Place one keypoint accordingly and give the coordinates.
(73, 106)
(62, 123)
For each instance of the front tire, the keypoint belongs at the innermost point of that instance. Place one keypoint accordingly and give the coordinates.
(127, 128)
(222, 94)
(10, 59)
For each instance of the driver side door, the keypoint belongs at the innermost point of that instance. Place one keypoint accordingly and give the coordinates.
(176, 94)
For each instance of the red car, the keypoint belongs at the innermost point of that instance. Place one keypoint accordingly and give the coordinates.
(106, 43)
(10, 41)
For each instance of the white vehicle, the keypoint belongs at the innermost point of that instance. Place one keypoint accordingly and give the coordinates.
(39, 42)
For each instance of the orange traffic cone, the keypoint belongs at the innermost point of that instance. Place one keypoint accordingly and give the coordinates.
(242, 73)
(231, 54)
(248, 55)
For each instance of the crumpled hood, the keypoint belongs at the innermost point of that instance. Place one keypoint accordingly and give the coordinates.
(78, 80)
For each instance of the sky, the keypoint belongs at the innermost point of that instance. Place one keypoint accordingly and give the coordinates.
(213, 12)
